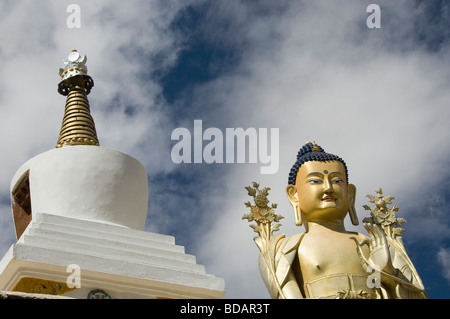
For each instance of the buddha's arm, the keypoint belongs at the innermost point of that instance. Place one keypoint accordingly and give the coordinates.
(397, 274)
(278, 276)
(398, 286)
(408, 284)
(290, 288)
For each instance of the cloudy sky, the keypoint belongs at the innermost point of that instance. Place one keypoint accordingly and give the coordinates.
(311, 69)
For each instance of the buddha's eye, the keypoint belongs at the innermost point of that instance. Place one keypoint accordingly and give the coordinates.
(314, 181)
(336, 180)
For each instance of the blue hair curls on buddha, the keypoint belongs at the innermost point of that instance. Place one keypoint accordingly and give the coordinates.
(312, 152)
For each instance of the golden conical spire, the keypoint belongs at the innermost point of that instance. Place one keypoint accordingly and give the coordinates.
(78, 127)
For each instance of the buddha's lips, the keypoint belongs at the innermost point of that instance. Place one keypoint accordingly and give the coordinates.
(328, 197)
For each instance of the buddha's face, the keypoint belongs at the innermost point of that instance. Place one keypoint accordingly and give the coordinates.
(322, 190)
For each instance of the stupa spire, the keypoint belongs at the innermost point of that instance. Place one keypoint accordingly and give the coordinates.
(78, 127)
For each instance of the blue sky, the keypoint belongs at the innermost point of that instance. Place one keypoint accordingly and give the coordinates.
(376, 97)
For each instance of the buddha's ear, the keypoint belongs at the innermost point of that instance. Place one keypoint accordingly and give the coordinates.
(291, 192)
(351, 204)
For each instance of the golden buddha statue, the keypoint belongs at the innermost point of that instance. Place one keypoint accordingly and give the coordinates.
(327, 261)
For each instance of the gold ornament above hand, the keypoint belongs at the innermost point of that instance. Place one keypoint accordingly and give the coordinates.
(385, 242)
(263, 215)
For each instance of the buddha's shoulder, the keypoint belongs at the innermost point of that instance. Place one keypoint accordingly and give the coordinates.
(289, 242)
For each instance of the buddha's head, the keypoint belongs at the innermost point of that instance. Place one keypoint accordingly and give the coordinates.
(318, 187)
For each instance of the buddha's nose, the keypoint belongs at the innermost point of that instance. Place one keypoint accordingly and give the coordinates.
(327, 186)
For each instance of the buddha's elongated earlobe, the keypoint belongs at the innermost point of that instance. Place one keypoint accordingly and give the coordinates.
(291, 192)
(351, 206)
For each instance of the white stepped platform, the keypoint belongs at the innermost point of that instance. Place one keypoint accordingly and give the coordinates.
(124, 262)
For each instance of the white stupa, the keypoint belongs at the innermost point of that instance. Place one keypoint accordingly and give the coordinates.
(79, 212)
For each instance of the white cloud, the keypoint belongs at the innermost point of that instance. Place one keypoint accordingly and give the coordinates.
(444, 261)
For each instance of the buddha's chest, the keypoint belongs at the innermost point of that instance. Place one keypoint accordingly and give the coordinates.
(321, 256)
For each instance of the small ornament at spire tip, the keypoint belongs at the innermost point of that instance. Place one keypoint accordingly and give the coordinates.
(74, 68)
